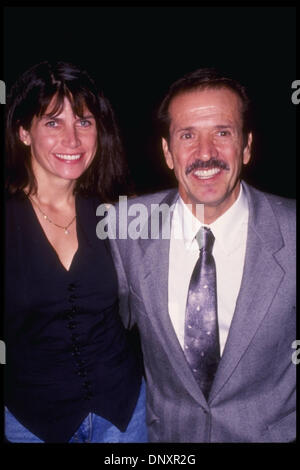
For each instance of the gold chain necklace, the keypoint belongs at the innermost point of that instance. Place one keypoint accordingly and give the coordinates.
(65, 228)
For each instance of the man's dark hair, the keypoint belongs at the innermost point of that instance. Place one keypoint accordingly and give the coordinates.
(199, 80)
(30, 96)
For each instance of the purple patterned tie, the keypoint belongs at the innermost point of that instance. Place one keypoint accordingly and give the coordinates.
(201, 334)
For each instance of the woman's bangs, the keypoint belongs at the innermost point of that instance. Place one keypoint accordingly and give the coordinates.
(52, 104)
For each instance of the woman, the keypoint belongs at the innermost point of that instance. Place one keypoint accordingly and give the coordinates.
(71, 375)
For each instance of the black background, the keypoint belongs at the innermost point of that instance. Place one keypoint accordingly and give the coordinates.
(135, 53)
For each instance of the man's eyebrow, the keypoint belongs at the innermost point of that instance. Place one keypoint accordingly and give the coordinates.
(191, 128)
(181, 129)
(223, 126)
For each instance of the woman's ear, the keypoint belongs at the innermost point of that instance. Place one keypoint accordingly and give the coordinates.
(24, 136)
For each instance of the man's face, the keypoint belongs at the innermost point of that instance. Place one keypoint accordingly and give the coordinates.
(206, 147)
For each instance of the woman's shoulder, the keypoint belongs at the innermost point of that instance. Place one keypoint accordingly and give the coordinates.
(16, 197)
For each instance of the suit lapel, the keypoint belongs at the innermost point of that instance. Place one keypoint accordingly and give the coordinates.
(154, 285)
(261, 279)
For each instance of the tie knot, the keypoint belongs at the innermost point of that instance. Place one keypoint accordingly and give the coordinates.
(205, 239)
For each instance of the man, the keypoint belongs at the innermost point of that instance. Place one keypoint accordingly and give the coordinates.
(215, 306)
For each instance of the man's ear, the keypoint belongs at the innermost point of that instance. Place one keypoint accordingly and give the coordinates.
(247, 150)
(24, 136)
(167, 154)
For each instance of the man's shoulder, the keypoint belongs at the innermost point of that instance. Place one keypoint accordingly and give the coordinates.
(159, 197)
(270, 210)
(137, 217)
(279, 204)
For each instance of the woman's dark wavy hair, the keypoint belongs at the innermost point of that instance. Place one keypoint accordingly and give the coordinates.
(107, 176)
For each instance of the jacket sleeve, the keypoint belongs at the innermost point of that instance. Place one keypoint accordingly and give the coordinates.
(123, 287)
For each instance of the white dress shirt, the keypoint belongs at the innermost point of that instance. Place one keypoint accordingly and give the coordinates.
(230, 232)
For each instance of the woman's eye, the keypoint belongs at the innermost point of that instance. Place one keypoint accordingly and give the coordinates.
(84, 123)
(51, 123)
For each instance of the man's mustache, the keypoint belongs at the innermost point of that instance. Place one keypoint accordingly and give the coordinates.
(212, 163)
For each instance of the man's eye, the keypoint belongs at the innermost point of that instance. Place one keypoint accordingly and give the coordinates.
(186, 136)
(224, 133)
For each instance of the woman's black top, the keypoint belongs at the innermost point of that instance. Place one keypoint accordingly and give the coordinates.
(67, 352)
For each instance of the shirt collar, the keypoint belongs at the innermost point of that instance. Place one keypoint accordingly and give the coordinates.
(226, 228)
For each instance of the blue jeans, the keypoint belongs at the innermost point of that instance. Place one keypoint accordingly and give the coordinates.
(92, 429)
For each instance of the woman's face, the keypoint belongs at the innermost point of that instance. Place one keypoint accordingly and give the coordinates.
(63, 146)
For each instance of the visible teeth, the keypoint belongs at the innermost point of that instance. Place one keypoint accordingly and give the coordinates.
(207, 173)
(68, 157)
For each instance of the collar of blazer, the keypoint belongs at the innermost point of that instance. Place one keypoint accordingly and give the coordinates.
(261, 218)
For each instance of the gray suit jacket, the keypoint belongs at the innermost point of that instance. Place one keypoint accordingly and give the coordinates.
(253, 395)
